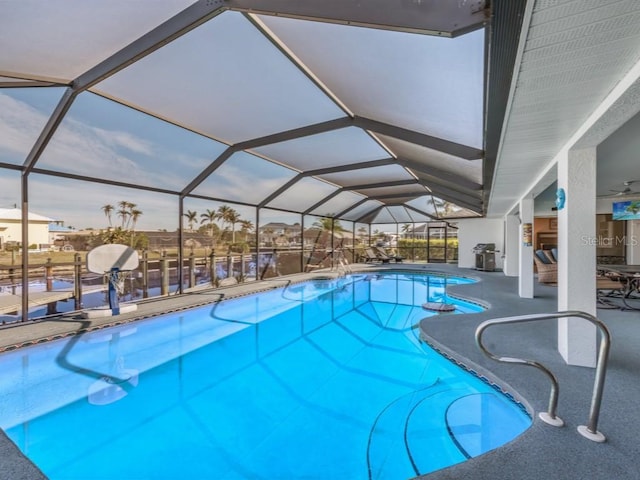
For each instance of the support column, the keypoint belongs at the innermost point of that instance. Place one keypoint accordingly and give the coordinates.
(511, 249)
(525, 251)
(577, 338)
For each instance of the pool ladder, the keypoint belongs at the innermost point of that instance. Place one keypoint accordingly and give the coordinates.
(341, 263)
(590, 430)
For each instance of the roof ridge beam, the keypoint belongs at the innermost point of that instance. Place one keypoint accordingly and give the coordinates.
(457, 201)
(437, 173)
(391, 183)
(417, 138)
(352, 166)
(308, 130)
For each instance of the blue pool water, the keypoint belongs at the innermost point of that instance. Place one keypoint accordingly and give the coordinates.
(319, 380)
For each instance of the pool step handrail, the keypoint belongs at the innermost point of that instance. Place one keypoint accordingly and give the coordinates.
(590, 430)
(341, 262)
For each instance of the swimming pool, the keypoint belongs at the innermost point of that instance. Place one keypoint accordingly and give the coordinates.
(319, 380)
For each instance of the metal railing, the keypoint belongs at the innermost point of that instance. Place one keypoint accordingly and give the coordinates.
(590, 430)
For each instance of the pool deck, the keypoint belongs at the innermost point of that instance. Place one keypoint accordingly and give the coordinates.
(541, 452)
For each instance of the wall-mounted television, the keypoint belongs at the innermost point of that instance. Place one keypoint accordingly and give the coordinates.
(629, 210)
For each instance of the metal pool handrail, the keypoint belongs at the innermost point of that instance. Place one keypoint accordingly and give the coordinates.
(589, 431)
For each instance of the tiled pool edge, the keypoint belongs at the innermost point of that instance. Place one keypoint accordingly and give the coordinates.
(222, 293)
(479, 372)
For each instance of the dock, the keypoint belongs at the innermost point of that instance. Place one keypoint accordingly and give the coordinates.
(13, 303)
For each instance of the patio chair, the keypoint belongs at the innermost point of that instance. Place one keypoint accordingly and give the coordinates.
(381, 253)
(370, 255)
(608, 287)
(547, 266)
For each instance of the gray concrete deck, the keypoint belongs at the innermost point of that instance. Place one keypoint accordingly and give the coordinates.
(541, 452)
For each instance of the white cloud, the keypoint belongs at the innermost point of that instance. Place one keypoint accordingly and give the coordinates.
(20, 126)
(125, 140)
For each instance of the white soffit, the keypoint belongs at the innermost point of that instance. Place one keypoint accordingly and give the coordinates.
(435, 86)
(575, 53)
(62, 39)
(224, 79)
(330, 149)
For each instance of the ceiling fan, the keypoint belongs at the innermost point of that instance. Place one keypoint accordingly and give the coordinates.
(625, 191)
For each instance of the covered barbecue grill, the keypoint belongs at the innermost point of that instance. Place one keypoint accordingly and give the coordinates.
(485, 256)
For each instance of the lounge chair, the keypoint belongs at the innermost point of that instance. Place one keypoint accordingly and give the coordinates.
(382, 254)
(547, 266)
(370, 255)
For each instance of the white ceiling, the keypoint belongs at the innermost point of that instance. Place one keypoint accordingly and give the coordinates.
(573, 54)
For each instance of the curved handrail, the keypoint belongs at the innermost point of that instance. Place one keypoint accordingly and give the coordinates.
(589, 431)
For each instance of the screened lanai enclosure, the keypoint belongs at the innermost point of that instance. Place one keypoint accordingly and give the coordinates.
(245, 138)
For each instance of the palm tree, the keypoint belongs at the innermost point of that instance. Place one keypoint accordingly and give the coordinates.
(134, 214)
(246, 227)
(123, 211)
(327, 223)
(362, 233)
(131, 207)
(223, 213)
(269, 233)
(447, 208)
(405, 228)
(107, 209)
(232, 218)
(209, 218)
(191, 218)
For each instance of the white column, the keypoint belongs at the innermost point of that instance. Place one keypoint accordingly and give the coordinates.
(577, 338)
(525, 280)
(511, 248)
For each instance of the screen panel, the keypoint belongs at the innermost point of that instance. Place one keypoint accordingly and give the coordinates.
(23, 114)
(303, 195)
(357, 212)
(468, 169)
(103, 139)
(387, 173)
(224, 79)
(424, 204)
(338, 203)
(66, 38)
(245, 178)
(330, 149)
(435, 86)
